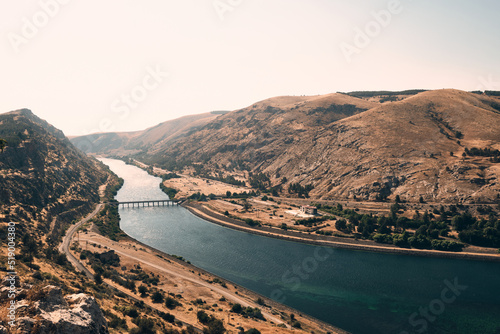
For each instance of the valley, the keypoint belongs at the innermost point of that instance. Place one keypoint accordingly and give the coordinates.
(404, 173)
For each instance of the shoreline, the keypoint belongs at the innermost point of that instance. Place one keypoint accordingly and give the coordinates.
(246, 292)
(334, 242)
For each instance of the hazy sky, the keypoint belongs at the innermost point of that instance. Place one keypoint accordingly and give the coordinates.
(93, 66)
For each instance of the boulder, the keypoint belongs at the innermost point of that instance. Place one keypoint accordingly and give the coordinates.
(54, 313)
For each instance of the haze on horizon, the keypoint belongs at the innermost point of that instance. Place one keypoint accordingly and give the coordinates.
(89, 66)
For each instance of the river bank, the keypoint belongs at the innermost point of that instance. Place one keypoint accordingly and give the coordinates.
(203, 212)
(338, 286)
(180, 278)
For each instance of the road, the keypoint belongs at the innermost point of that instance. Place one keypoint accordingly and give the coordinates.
(224, 292)
(64, 246)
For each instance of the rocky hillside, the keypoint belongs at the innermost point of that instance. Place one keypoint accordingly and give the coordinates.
(45, 182)
(350, 147)
(45, 185)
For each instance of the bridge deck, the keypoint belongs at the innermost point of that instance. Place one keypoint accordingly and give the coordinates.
(157, 202)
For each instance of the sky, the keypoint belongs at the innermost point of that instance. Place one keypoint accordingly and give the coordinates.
(90, 66)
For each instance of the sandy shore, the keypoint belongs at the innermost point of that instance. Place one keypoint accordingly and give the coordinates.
(336, 242)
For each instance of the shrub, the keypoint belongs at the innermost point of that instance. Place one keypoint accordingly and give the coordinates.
(261, 301)
(446, 245)
(401, 240)
(252, 331)
(167, 317)
(251, 222)
(143, 290)
(237, 308)
(144, 326)
(383, 238)
(37, 275)
(341, 224)
(420, 241)
(203, 317)
(171, 303)
(157, 297)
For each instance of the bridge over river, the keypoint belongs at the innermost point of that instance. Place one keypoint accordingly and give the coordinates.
(157, 202)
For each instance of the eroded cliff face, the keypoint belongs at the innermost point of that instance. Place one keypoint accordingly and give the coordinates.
(46, 310)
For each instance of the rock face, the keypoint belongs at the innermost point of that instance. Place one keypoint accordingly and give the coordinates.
(48, 311)
(43, 177)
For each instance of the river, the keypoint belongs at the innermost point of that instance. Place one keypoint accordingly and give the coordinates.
(360, 292)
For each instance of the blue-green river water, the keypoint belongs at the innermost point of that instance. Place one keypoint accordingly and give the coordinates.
(360, 292)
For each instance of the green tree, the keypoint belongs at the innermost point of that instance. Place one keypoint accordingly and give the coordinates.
(341, 224)
(237, 308)
(171, 303)
(246, 205)
(143, 290)
(215, 326)
(144, 326)
(98, 279)
(203, 317)
(3, 143)
(30, 247)
(157, 297)
(463, 222)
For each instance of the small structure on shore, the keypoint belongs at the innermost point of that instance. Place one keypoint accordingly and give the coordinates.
(309, 209)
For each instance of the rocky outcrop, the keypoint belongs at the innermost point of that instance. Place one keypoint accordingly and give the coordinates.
(43, 175)
(48, 311)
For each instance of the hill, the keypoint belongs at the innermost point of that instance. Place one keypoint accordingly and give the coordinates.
(129, 143)
(348, 147)
(46, 185)
(45, 182)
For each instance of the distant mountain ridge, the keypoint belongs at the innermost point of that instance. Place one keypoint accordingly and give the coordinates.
(351, 147)
(129, 143)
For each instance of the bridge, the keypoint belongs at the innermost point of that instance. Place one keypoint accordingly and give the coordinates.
(157, 202)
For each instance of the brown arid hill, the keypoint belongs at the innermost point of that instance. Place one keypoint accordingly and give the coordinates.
(45, 182)
(129, 143)
(45, 185)
(403, 148)
(349, 147)
(250, 137)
